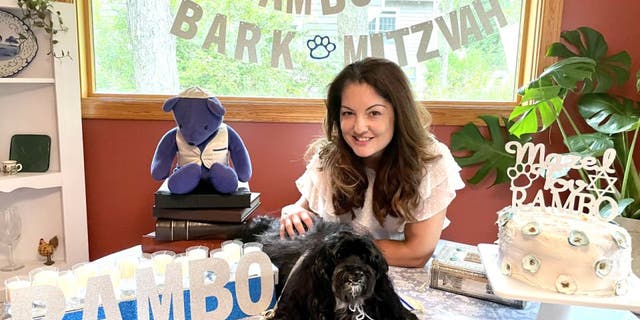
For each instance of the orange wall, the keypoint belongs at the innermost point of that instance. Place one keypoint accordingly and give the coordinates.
(118, 154)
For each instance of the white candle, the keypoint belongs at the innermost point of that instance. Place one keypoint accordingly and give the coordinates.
(233, 250)
(45, 277)
(218, 253)
(16, 283)
(83, 272)
(251, 247)
(127, 267)
(183, 260)
(68, 283)
(160, 261)
(197, 252)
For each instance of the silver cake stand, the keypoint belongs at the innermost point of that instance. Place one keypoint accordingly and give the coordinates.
(558, 306)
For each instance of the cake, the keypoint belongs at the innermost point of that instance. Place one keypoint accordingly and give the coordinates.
(563, 238)
(563, 251)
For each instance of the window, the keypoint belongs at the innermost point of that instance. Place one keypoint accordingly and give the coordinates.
(385, 22)
(463, 59)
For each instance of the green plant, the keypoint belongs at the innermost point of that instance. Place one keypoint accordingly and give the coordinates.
(41, 14)
(586, 72)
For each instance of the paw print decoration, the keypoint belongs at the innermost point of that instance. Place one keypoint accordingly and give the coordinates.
(320, 47)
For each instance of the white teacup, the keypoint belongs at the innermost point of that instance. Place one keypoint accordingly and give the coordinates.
(10, 167)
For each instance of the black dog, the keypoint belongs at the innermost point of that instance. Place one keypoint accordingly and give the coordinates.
(330, 272)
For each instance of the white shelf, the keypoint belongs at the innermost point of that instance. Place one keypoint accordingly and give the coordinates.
(44, 98)
(33, 180)
(26, 80)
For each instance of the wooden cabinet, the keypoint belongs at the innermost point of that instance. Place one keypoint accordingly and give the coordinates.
(44, 98)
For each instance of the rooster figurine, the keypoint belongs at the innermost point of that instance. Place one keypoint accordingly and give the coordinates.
(46, 249)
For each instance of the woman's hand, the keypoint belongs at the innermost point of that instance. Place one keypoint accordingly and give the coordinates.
(295, 219)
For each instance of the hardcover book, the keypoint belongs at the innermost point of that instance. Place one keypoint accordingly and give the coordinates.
(236, 215)
(204, 197)
(150, 244)
(457, 268)
(174, 230)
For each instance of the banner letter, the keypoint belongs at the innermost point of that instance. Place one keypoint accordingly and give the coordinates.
(190, 20)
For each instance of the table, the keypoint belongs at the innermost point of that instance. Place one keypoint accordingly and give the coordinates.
(413, 283)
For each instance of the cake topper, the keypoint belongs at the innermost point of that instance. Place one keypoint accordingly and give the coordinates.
(587, 196)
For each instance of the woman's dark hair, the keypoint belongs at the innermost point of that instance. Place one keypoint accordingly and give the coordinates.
(402, 166)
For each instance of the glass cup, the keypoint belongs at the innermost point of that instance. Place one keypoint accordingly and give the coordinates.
(254, 269)
(43, 276)
(68, 283)
(251, 247)
(83, 271)
(183, 260)
(217, 253)
(110, 270)
(233, 250)
(13, 283)
(159, 261)
(126, 267)
(197, 252)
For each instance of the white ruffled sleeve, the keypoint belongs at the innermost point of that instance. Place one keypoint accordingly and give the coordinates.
(314, 186)
(438, 188)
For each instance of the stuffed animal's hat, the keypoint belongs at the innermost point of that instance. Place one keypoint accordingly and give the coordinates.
(194, 92)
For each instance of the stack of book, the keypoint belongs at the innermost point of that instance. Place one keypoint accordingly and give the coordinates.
(202, 217)
(456, 267)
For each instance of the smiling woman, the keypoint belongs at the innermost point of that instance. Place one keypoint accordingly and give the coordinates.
(475, 52)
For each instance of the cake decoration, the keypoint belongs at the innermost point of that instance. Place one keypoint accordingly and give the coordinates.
(561, 237)
(532, 163)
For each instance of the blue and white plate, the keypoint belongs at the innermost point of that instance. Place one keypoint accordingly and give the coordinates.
(15, 53)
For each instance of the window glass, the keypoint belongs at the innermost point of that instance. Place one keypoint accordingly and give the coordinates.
(464, 50)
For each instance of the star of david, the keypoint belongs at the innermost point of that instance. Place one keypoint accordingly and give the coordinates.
(609, 186)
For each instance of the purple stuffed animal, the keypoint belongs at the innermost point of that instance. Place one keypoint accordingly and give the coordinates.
(202, 143)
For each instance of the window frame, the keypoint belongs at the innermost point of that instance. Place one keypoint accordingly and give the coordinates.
(540, 27)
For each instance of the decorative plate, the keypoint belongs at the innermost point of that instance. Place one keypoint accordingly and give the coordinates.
(15, 53)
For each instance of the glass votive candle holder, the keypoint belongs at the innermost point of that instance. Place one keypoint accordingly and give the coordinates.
(160, 260)
(197, 252)
(113, 273)
(68, 283)
(44, 276)
(83, 271)
(233, 250)
(126, 266)
(13, 283)
(251, 247)
(183, 260)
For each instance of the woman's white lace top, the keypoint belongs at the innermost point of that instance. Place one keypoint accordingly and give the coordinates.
(438, 189)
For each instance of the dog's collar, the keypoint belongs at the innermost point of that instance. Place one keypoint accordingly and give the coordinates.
(360, 314)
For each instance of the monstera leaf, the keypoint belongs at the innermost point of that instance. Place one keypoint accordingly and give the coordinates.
(610, 70)
(609, 114)
(589, 144)
(543, 99)
(486, 151)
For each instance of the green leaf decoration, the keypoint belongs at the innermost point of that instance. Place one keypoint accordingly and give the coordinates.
(609, 114)
(610, 70)
(535, 117)
(485, 151)
(542, 100)
(590, 144)
(568, 72)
